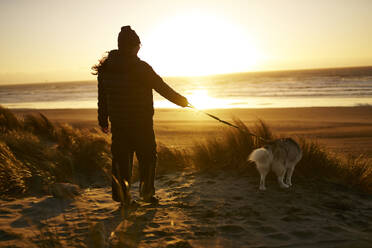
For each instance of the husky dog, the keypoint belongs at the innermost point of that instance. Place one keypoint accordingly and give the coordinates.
(280, 156)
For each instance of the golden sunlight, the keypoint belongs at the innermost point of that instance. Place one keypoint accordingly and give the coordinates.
(198, 43)
(201, 100)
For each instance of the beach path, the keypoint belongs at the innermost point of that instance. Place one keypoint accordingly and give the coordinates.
(196, 210)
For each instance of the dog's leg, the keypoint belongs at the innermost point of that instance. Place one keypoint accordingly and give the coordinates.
(263, 169)
(288, 179)
(262, 181)
(280, 173)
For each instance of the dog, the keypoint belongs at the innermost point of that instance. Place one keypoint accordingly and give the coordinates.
(280, 156)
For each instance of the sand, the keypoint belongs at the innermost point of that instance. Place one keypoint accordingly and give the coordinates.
(199, 210)
(344, 130)
(220, 209)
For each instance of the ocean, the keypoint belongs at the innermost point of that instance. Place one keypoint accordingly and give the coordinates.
(306, 88)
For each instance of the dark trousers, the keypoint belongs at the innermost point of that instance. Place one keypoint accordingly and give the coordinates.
(138, 138)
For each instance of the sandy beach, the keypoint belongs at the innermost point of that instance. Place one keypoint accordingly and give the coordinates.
(344, 130)
(198, 210)
(214, 209)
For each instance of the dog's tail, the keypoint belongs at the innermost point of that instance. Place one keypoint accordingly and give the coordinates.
(260, 156)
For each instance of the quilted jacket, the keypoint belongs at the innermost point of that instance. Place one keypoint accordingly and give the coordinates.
(125, 85)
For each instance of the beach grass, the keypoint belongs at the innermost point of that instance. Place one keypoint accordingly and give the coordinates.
(35, 153)
(231, 151)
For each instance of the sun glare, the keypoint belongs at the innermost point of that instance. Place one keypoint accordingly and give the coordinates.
(199, 44)
(198, 98)
(201, 100)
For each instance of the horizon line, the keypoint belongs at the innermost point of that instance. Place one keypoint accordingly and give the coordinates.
(211, 75)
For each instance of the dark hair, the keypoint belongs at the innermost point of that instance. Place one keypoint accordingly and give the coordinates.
(97, 67)
(127, 40)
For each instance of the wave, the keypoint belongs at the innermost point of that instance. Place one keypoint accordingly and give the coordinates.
(342, 85)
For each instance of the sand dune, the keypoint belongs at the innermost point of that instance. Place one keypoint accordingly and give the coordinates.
(219, 209)
(199, 210)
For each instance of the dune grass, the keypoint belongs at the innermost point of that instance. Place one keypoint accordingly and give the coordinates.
(35, 153)
(231, 150)
(317, 163)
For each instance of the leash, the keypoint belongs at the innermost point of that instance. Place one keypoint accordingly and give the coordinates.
(226, 122)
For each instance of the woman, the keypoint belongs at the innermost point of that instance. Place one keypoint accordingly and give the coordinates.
(125, 85)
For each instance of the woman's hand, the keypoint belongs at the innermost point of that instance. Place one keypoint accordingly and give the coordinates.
(183, 102)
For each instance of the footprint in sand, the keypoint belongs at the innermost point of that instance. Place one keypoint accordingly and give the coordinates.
(207, 202)
(6, 235)
(339, 205)
(21, 223)
(279, 236)
(304, 234)
(231, 229)
(266, 229)
(293, 218)
(82, 224)
(237, 198)
(179, 244)
(210, 182)
(4, 212)
(170, 182)
(154, 225)
(204, 231)
(160, 233)
(253, 223)
(334, 229)
(67, 233)
(247, 211)
(15, 206)
(207, 214)
(82, 230)
(102, 210)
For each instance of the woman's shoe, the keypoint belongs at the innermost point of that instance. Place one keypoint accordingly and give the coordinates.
(152, 199)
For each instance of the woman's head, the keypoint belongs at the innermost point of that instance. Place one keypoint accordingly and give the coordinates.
(128, 40)
(128, 44)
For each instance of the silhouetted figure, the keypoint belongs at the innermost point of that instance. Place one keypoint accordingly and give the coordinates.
(125, 85)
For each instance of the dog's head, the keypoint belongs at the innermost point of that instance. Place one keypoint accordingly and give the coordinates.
(270, 144)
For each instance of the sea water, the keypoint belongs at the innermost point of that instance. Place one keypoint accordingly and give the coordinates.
(307, 88)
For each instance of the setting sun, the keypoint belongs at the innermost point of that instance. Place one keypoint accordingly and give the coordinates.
(201, 100)
(199, 43)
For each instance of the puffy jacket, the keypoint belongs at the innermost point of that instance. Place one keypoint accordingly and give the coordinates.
(125, 85)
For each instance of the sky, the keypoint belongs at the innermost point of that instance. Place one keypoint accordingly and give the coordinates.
(59, 40)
